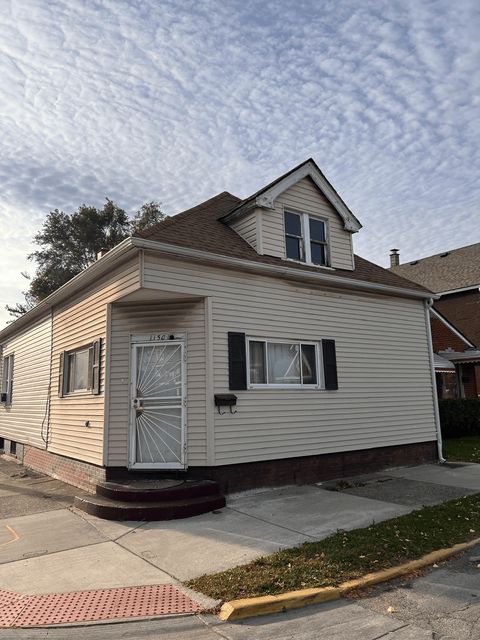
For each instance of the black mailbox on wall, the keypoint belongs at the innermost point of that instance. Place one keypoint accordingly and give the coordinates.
(225, 400)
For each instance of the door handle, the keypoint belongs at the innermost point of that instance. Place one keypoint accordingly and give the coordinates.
(137, 404)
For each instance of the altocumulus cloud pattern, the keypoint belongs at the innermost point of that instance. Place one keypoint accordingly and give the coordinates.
(170, 100)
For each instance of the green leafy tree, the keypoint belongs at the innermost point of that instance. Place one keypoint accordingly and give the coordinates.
(149, 214)
(68, 243)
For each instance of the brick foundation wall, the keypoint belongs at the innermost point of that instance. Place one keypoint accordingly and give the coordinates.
(249, 475)
(79, 474)
(310, 469)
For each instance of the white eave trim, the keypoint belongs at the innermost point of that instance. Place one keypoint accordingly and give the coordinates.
(86, 277)
(119, 253)
(451, 327)
(266, 199)
(281, 271)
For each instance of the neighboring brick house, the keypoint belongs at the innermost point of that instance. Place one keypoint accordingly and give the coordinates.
(455, 318)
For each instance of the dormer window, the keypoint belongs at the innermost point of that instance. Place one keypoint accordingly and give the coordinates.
(306, 238)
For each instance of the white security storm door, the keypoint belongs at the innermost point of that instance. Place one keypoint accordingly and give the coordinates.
(158, 405)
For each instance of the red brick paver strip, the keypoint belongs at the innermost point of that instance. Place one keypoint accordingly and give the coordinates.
(11, 606)
(17, 610)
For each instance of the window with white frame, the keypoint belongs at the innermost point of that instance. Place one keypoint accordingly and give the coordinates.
(306, 238)
(79, 370)
(7, 380)
(281, 363)
(78, 376)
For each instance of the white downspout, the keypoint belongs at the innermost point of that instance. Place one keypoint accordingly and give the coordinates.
(428, 304)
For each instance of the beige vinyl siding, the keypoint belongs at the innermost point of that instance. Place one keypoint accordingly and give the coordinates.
(247, 227)
(188, 317)
(304, 197)
(385, 395)
(75, 325)
(23, 420)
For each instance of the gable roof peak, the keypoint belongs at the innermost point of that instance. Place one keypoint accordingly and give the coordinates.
(266, 196)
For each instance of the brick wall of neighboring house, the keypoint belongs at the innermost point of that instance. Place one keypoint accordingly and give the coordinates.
(463, 311)
(79, 474)
(444, 338)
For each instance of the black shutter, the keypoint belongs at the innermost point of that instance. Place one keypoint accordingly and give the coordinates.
(96, 367)
(61, 375)
(329, 364)
(10, 380)
(237, 361)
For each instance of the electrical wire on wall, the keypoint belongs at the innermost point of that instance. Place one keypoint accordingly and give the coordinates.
(46, 416)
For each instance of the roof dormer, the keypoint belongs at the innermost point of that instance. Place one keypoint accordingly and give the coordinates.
(298, 217)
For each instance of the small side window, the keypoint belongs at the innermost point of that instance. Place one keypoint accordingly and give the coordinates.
(7, 380)
(80, 370)
(78, 366)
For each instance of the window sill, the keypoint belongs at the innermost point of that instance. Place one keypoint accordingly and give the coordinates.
(304, 387)
(310, 264)
(75, 394)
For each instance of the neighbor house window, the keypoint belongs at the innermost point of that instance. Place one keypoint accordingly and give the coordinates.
(282, 363)
(80, 370)
(447, 385)
(306, 238)
(7, 380)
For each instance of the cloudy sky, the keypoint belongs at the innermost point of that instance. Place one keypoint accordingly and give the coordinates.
(175, 101)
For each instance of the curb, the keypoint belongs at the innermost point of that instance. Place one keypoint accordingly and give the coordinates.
(264, 605)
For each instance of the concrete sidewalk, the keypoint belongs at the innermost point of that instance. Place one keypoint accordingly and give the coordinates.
(48, 547)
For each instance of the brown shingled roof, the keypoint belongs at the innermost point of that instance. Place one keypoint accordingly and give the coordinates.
(445, 271)
(201, 228)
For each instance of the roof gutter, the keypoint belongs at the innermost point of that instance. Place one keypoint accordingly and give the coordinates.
(121, 251)
(89, 275)
(280, 271)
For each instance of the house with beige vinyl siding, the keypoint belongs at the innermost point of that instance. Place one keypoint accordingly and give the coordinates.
(240, 342)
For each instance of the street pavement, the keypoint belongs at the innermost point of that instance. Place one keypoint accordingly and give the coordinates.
(444, 604)
(46, 546)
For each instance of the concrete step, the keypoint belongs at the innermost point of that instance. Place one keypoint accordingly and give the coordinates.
(109, 509)
(157, 490)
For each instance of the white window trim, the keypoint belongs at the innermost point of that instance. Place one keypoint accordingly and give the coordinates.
(306, 250)
(318, 363)
(74, 352)
(7, 382)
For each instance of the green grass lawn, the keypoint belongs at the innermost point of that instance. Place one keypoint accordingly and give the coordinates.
(466, 449)
(349, 554)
